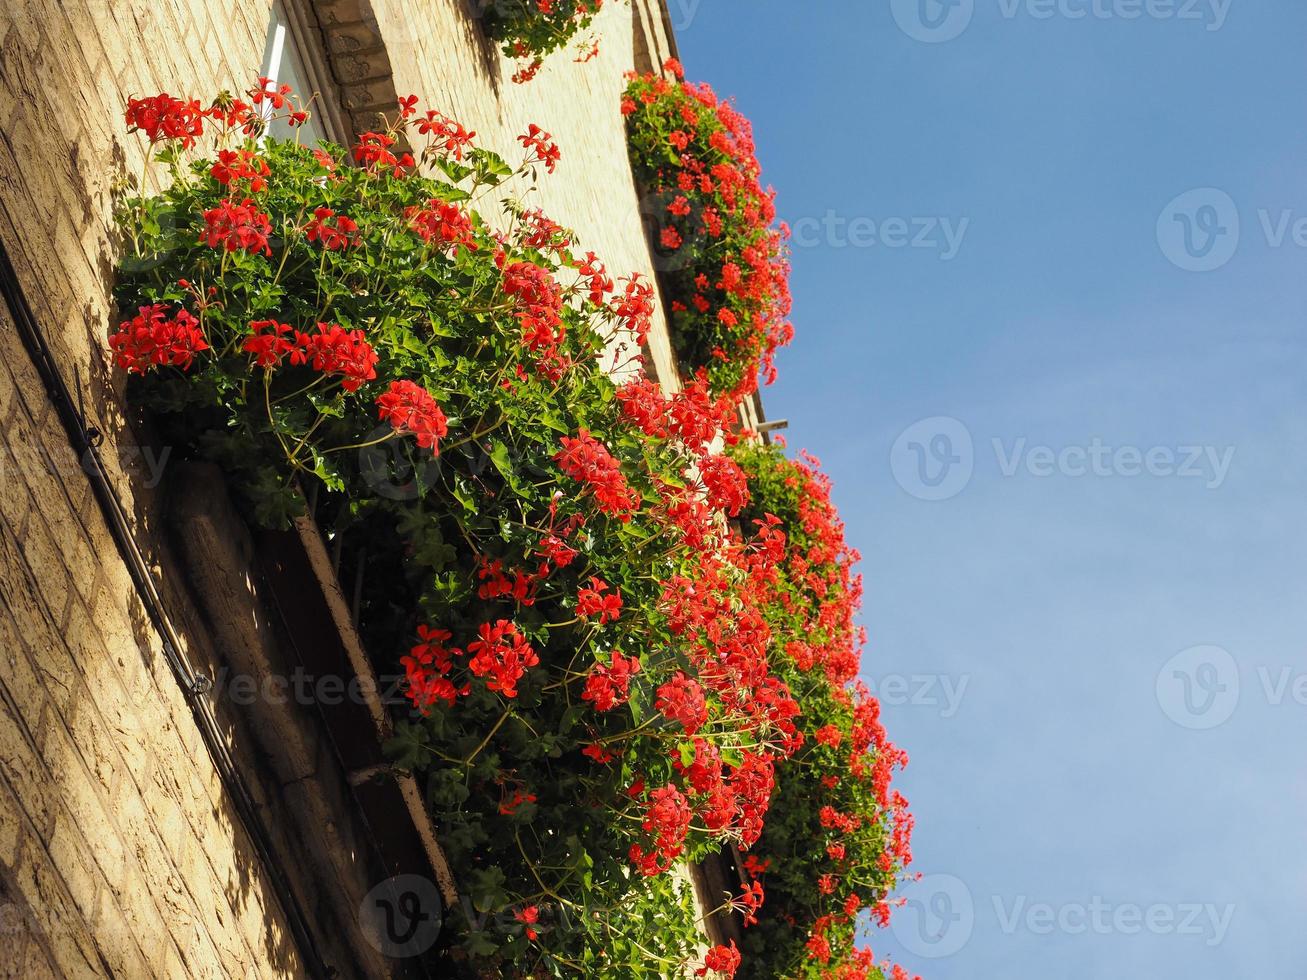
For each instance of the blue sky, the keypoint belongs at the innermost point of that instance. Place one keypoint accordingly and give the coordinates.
(1118, 790)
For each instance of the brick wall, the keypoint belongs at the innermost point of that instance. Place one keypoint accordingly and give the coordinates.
(119, 852)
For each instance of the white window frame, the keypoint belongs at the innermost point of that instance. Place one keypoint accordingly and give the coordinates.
(294, 32)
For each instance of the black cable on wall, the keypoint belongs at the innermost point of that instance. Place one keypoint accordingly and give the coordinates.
(85, 441)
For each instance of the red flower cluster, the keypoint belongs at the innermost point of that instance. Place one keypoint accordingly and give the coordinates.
(335, 231)
(155, 338)
(727, 488)
(233, 166)
(162, 117)
(592, 603)
(332, 350)
(276, 96)
(723, 960)
(335, 350)
(443, 223)
(271, 342)
(237, 227)
(373, 151)
(812, 596)
(540, 147)
(829, 735)
(502, 654)
(730, 297)
(667, 817)
(495, 584)
(696, 417)
(634, 308)
(594, 278)
(540, 232)
(446, 136)
(511, 804)
(749, 902)
(588, 461)
(538, 302)
(608, 685)
(644, 406)
(427, 669)
(681, 699)
(409, 408)
(529, 917)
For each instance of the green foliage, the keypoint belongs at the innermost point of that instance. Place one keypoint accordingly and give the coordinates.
(527, 820)
(531, 30)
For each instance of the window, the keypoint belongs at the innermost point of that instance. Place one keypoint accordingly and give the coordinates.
(293, 56)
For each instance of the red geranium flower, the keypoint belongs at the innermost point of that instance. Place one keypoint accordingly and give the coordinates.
(335, 350)
(643, 405)
(635, 307)
(681, 699)
(609, 684)
(233, 166)
(724, 960)
(528, 916)
(427, 669)
(727, 487)
(409, 408)
(445, 133)
(335, 231)
(153, 338)
(598, 753)
(591, 603)
(442, 223)
(373, 151)
(271, 342)
(237, 227)
(588, 461)
(503, 654)
(541, 147)
(163, 117)
(509, 806)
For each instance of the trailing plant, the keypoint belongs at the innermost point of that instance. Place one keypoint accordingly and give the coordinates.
(722, 257)
(530, 30)
(611, 648)
(837, 835)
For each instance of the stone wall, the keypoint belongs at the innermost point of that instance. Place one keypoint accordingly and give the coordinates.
(120, 853)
